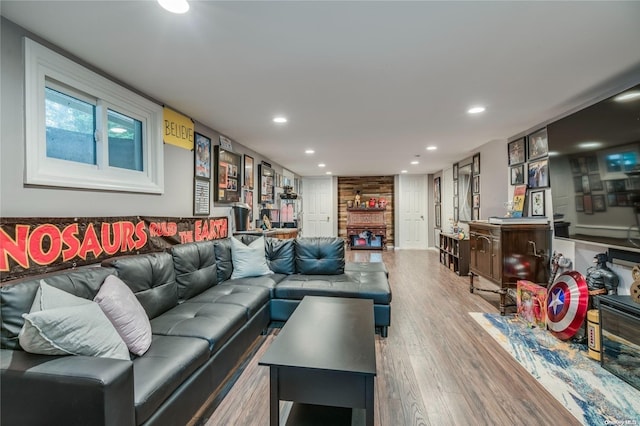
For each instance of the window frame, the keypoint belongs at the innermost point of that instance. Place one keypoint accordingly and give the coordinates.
(45, 67)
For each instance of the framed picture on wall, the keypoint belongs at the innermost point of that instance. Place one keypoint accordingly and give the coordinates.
(476, 214)
(476, 184)
(202, 156)
(516, 152)
(538, 144)
(588, 204)
(201, 196)
(436, 190)
(248, 171)
(537, 203)
(475, 165)
(599, 204)
(227, 187)
(517, 174)
(538, 174)
(455, 171)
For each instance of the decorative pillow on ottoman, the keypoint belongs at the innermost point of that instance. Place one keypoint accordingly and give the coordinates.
(60, 323)
(126, 314)
(248, 261)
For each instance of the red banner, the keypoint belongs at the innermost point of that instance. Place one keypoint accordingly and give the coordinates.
(36, 245)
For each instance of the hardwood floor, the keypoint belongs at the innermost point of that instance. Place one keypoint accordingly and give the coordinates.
(437, 367)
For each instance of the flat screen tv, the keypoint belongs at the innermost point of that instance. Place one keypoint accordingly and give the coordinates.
(594, 171)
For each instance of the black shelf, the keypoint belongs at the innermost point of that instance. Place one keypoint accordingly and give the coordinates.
(454, 253)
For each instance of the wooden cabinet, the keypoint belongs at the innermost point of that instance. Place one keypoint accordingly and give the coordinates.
(366, 228)
(454, 253)
(505, 254)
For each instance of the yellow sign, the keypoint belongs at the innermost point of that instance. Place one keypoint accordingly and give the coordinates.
(178, 129)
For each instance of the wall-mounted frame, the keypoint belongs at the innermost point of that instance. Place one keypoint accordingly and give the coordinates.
(537, 203)
(538, 174)
(228, 177)
(517, 174)
(455, 214)
(579, 203)
(476, 214)
(476, 184)
(475, 165)
(455, 171)
(267, 177)
(248, 171)
(436, 190)
(476, 201)
(201, 196)
(438, 218)
(517, 152)
(599, 204)
(537, 145)
(588, 204)
(202, 156)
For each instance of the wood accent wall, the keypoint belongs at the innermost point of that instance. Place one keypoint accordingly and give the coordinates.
(370, 187)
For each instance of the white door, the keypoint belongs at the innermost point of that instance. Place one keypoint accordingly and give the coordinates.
(412, 211)
(318, 219)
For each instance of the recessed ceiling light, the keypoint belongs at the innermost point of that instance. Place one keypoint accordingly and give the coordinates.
(175, 6)
(328, 173)
(476, 110)
(280, 120)
(414, 162)
(309, 151)
(432, 148)
(627, 96)
(590, 144)
(322, 165)
(403, 171)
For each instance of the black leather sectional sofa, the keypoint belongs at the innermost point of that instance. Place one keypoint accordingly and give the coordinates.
(202, 324)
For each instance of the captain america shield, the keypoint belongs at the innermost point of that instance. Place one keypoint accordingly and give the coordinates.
(567, 302)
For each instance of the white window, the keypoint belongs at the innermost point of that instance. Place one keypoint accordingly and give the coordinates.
(85, 131)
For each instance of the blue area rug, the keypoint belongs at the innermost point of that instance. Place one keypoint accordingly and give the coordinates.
(592, 394)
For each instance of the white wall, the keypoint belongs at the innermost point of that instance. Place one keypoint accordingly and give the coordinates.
(16, 200)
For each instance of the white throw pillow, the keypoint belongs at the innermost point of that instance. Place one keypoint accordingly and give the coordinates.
(248, 260)
(60, 323)
(125, 312)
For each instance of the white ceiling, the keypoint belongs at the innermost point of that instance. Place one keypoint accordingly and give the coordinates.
(368, 85)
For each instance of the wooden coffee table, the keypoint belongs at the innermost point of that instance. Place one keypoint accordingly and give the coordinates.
(324, 355)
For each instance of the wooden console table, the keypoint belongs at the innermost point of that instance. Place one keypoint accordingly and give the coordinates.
(505, 254)
(361, 220)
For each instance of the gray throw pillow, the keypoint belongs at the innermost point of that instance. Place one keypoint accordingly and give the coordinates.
(60, 323)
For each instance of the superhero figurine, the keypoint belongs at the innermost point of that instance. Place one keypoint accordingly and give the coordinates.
(600, 280)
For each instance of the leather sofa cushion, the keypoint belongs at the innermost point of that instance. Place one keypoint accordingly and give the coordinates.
(363, 285)
(267, 281)
(224, 261)
(366, 267)
(151, 278)
(251, 298)
(169, 362)
(319, 256)
(195, 268)
(281, 255)
(213, 322)
(16, 298)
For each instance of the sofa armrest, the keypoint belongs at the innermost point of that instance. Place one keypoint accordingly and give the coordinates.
(69, 390)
